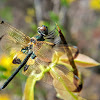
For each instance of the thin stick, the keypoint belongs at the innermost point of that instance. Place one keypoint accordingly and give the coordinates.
(68, 52)
(71, 60)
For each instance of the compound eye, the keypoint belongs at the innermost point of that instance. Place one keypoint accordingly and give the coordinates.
(43, 28)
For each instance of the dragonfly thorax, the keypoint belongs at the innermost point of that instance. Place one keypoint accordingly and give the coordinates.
(29, 47)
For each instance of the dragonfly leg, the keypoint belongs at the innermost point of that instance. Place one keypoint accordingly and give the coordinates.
(26, 67)
(17, 70)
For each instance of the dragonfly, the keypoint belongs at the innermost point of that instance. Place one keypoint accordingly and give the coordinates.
(34, 48)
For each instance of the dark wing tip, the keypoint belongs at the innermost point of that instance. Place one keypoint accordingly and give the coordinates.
(16, 61)
(2, 22)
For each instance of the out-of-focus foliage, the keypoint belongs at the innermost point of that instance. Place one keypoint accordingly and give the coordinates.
(66, 2)
(70, 1)
(95, 4)
(30, 15)
(5, 66)
(4, 97)
(6, 13)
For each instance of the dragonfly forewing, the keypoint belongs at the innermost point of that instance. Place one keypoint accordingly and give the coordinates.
(11, 35)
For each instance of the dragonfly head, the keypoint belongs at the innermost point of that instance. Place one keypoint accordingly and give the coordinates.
(43, 30)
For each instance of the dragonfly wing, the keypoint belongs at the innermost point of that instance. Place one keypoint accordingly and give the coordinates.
(67, 78)
(7, 45)
(34, 65)
(61, 48)
(10, 36)
(43, 50)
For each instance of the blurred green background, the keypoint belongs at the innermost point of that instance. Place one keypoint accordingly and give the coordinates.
(80, 23)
